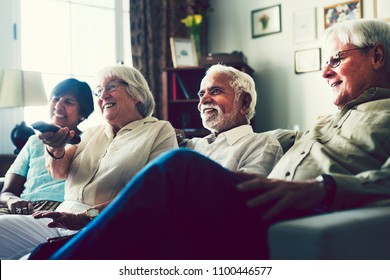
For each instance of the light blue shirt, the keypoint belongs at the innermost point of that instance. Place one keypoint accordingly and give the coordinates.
(30, 163)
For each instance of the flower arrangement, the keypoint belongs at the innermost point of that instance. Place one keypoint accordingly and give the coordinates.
(264, 19)
(193, 23)
(197, 10)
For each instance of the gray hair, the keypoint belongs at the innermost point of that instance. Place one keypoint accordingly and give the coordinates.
(361, 33)
(241, 83)
(137, 87)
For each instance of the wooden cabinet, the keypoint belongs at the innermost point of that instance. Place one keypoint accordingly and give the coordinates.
(180, 88)
(180, 99)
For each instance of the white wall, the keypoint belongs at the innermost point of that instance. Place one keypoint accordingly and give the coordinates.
(285, 98)
(10, 58)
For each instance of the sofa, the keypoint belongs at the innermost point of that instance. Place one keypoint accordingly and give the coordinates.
(356, 234)
(5, 163)
(362, 233)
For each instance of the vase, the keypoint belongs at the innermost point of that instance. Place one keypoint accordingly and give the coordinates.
(195, 36)
(20, 135)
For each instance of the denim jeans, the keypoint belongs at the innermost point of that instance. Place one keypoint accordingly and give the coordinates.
(180, 206)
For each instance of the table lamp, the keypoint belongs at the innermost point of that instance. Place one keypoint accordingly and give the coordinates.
(19, 89)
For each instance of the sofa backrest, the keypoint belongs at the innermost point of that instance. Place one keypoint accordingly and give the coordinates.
(286, 138)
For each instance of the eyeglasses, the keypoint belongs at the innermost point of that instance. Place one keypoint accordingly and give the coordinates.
(109, 87)
(335, 61)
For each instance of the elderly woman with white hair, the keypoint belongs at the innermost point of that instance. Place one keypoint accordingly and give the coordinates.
(96, 169)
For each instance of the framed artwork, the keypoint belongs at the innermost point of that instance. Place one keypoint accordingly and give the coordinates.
(382, 9)
(307, 60)
(305, 25)
(266, 21)
(342, 12)
(183, 52)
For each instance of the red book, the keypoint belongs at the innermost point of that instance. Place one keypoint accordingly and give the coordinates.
(174, 89)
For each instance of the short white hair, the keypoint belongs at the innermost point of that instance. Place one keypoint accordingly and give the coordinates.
(137, 87)
(361, 33)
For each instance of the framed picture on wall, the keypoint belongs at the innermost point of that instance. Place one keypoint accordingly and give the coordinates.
(266, 21)
(305, 25)
(307, 60)
(183, 52)
(342, 12)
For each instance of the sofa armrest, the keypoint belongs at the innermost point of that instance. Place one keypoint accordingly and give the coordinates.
(362, 233)
(1, 183)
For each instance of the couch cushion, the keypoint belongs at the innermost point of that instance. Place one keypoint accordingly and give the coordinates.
(362, 233)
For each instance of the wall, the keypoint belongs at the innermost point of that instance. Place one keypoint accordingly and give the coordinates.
(9, 59)
(116, 47)
(285, 99)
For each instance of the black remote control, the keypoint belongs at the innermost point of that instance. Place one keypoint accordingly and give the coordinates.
(45, 127)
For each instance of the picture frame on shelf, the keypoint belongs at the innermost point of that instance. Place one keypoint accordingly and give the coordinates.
(266, 21)
(305, 25)
(183, 52)
(382, 9)
(342, 12)
(308, 60)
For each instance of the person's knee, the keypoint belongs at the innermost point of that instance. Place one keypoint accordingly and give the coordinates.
(182, 156)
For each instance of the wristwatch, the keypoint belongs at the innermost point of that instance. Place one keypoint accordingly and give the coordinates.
(92, 213)
(328, 183)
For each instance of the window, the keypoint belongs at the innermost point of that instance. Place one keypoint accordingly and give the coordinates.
(72, 38)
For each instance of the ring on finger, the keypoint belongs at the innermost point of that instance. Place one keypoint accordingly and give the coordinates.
(18, 210)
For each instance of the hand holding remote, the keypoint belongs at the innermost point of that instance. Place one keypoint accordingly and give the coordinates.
(45, 127)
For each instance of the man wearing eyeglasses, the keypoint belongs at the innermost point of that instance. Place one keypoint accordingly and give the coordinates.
(207, 212)
(347, 78)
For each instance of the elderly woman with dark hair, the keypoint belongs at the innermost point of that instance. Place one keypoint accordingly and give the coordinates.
(28, 186)
(96, 170)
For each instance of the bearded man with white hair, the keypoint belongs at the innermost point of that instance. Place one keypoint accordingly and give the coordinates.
(227, 100)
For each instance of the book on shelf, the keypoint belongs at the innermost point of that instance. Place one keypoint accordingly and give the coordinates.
(182, 86)
(174, 88)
